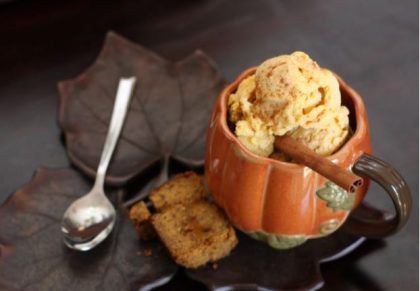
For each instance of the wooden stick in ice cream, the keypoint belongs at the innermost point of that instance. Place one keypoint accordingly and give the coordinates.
(303, 155)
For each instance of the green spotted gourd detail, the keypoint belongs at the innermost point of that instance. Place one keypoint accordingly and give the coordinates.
(336, 197)
(280, 242)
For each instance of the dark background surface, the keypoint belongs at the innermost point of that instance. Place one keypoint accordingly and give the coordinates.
(373, 45)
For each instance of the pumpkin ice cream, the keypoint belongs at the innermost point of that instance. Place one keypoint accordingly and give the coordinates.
(289, 94)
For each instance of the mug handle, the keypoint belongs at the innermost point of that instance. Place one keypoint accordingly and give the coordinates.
(393, 183)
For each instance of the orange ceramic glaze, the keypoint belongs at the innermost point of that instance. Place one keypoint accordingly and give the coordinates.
(263, 194)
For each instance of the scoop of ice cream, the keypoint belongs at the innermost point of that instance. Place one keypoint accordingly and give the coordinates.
(289, 94)
(326, 134)
(256, 135)
(292, 90)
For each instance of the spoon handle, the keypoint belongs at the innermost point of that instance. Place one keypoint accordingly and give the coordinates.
(122, 100)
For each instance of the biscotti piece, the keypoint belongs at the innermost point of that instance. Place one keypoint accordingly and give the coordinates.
(195, 234)
(183, 188)
(140, 215)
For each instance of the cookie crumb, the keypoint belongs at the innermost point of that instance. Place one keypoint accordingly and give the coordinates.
(215, 266)
(145, 253)
(140, 215)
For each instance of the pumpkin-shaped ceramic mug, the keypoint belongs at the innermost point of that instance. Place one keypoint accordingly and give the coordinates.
(285, 204)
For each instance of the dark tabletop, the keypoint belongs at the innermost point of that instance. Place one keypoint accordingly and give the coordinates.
(372, 44)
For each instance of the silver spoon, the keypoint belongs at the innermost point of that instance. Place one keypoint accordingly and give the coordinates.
(90, 219)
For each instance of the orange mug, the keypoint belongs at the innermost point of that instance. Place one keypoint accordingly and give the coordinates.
(285, 204)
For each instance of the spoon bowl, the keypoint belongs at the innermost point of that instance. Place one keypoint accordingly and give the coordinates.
(88, 221)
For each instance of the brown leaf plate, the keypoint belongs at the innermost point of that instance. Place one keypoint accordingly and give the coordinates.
(165, 128)
(33, 257)
(168, 115)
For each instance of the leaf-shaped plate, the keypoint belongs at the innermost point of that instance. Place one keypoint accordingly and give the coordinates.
(168, 115)
(33, 256)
